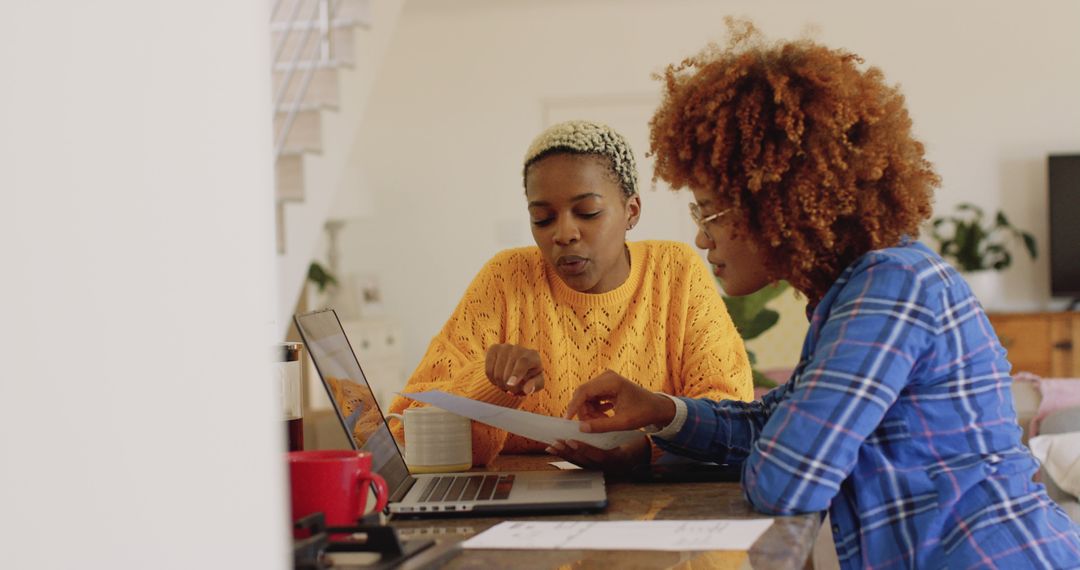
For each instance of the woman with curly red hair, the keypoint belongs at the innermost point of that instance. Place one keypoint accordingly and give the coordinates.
(899, 417)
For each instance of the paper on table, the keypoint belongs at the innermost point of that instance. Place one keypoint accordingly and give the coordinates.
(622, 535)
(564, 465)
(526, 424)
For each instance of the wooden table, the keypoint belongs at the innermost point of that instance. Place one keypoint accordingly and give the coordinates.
(787, 543)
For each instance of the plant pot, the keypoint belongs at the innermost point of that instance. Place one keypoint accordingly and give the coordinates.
(986, 286)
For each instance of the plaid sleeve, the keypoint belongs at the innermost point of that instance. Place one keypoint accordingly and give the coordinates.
(863, 357)
(720, 431)
(801, 441)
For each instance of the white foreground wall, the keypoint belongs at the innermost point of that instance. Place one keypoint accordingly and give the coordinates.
(137, 422)
(993, 86)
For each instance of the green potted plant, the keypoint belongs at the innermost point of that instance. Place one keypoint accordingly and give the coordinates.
(320, 276)
(979, 247)
(752, 318)
(975, 244)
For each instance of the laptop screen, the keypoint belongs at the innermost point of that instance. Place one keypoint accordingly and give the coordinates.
(350, 393)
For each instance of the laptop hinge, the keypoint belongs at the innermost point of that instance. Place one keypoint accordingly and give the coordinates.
(402, 489)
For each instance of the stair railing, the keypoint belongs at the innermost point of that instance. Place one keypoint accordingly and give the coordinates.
(323, 13)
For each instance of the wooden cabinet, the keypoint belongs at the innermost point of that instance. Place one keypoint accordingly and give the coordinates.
(1047, 344)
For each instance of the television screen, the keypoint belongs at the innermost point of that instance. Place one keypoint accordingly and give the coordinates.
(1064, 181)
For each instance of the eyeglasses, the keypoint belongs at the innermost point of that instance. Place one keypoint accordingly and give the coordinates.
(700, 220)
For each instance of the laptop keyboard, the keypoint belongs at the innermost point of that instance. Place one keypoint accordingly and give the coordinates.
(458, 488)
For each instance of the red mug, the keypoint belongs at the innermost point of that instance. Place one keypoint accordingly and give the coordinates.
(335, 483)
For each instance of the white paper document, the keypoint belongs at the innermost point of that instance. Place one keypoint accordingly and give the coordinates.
(526, 424)
(564, 465)
(622, 535)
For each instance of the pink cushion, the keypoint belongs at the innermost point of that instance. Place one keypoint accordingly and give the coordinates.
(1057, 393)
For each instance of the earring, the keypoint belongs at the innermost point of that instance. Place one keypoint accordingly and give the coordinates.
(629, 226)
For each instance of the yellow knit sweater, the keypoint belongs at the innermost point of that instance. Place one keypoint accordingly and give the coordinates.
(665, 328)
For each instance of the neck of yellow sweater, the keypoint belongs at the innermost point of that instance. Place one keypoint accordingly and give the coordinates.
(617, 296)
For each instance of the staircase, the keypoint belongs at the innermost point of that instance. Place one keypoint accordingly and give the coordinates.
(325, 57)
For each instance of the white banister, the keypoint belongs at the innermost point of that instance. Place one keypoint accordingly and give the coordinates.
(322, 14)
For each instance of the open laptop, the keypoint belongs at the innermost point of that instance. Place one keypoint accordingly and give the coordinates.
(428, 494)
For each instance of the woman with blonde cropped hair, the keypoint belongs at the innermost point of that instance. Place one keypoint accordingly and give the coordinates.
(539, 321)
(899, 417)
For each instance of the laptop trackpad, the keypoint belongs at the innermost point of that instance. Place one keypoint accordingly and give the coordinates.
(559, 484)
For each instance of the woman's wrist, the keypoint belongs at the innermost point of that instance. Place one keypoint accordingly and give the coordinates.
(674, 423)
(663, 410)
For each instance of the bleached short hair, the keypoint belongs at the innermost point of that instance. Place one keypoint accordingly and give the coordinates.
(587, 137)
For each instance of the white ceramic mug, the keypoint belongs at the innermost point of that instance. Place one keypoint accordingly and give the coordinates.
(436, 441)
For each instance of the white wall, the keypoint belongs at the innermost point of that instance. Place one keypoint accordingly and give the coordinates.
(138, 427)
(992, 86)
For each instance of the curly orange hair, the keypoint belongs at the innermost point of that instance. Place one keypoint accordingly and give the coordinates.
(814, 155)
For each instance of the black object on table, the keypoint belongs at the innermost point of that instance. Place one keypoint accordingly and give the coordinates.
(315, 552)
(686, 472)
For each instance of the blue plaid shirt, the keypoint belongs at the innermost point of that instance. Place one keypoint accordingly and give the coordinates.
(899, 419)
